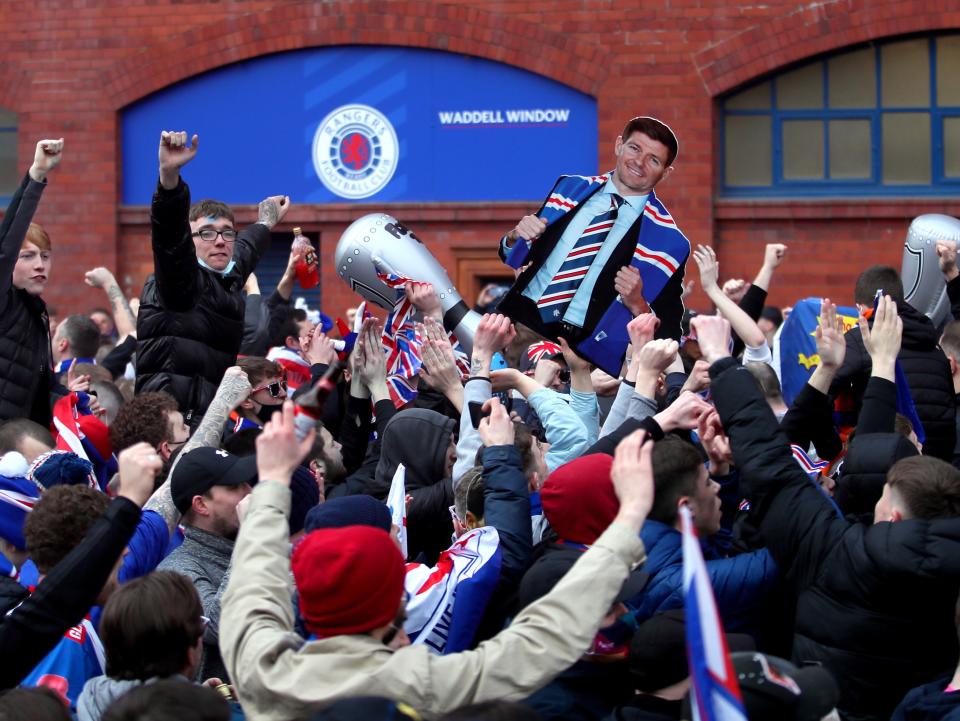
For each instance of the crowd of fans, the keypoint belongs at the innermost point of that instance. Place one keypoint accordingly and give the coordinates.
(178, 546)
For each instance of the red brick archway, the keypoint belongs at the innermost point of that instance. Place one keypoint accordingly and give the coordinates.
(812, 30)
(454, 28)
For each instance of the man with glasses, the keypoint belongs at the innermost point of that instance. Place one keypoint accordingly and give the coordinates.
(190, 323)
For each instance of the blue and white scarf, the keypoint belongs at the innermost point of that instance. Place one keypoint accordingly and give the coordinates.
(661, 251)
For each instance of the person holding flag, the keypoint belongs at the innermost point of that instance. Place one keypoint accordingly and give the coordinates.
(714, 691)
(351, 587)
(600, 250)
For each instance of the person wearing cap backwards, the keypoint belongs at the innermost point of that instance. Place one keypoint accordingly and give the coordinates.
(206, 486)
(597, 239)
(350, 582)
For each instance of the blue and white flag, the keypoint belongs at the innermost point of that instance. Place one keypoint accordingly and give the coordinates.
(714, 691)
(447, 601)
(397, 504)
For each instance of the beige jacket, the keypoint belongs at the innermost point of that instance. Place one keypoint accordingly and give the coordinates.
(279, 676)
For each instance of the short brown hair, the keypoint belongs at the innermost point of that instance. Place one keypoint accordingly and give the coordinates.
(950, 340)
(149, 625)
(210, 209)
(59, 521)
(144, 418)
(874, 278)
(655, 130)
(259, 369)
(14, 431)
(929, 487)
(468, 495)
(676, 469)
(38, 236)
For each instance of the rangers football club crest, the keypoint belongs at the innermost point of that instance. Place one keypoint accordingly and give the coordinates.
(355, 151)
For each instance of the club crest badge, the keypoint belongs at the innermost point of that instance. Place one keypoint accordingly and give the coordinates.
(355, 151)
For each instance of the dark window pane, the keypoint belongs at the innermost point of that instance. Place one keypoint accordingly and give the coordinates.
(852, 79)
(801, 89)
(748, 150)
(906, 148)
(803, 149)
(849, 149)
(905, 74)
(755, 98)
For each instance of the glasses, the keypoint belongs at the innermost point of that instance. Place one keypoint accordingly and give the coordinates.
(277, 389)
(209, 235)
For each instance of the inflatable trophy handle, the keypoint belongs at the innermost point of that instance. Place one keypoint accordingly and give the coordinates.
(380, 242)
(923, 285)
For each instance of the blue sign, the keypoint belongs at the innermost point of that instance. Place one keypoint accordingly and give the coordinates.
(362, 124)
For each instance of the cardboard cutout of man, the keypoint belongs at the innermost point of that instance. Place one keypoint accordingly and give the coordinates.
(600, 250)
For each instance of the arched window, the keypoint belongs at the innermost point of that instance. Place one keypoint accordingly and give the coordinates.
(9, 172)
(877, 120)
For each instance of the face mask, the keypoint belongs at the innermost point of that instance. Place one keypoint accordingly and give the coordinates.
(226, 270)
(266, 413)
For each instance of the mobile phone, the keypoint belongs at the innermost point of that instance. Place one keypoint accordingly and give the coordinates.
(477, 413)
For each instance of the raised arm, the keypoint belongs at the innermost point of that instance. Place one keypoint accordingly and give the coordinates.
(506, 498)
(19, 213)
(66, 594)
(253, 241)
(773, 255)
(641, 330)
(494, 332)
(123, 316)
(564, 430)
(256, 613)
(810, 417)
(233, 390)
(879, 409)
(439, 369)
(743, 325)
(797, 522)
(175, 265)
(947, 256)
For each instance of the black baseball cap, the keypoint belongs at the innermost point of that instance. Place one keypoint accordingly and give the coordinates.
(775, 689)
(202, 468)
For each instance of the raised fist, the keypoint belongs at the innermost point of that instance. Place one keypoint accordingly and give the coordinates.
(45, 158)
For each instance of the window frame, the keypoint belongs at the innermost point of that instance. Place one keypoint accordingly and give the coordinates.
(5, 199)
(939, 184)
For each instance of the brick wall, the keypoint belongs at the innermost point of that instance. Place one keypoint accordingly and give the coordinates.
(69, 67)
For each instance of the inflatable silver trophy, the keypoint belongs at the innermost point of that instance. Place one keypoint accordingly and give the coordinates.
(923, 285)
(380, 243)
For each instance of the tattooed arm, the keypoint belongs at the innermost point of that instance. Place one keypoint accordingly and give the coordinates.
(271, 210)
(233, 390)
(123, 316)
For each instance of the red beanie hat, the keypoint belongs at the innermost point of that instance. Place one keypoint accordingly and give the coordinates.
(350, 579)
(578, 498)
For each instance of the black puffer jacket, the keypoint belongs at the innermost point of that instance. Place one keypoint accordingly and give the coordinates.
(190, 324)
(875, 604)
(928, 374)
(865, 468)
(26, 378)
(420, 440)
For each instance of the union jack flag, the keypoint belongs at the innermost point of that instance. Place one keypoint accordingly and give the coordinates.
(714, 693)
(543, 348)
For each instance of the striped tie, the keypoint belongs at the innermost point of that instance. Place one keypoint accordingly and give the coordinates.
(560, 291)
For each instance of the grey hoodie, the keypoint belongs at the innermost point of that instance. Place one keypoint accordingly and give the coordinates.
(101, 691)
